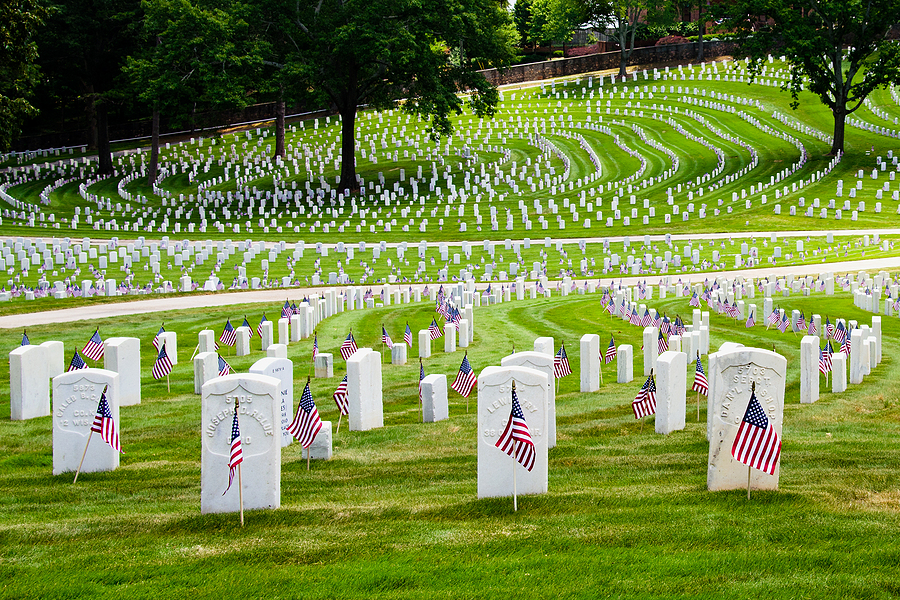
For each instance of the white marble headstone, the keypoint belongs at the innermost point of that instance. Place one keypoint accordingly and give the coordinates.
(259, 418)
(434, 398)
(122, 355)
(29, 384)
(364, 392)
(76, 396)
(495, 468)
(731, 376)
(543, 363)
(281, 369)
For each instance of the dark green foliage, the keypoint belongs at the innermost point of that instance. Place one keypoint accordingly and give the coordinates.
(18, 73)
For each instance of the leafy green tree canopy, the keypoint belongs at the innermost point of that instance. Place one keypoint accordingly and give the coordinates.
(837, 49)
(418, 53)
(18, 74)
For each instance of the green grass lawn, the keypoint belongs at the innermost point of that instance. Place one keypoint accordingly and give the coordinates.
(395, 513)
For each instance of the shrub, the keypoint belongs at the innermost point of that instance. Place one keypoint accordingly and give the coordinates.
(671, 39)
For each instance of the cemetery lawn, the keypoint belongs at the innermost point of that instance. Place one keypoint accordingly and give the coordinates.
(395, 513)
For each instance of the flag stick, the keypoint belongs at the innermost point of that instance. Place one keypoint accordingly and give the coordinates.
(194, 353)
(698, 406)
(241, 494)
(168, 385)
(83, 454)
(340, 416)
(601, 370)
(308, 452)
(749, 472)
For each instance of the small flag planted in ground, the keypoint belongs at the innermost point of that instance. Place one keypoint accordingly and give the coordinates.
(104, 424)
(662, 344)
(610, 351)
(236, 456)
(163, 365)
(76, 363)
(259, 327)
(516, 439)
(224, 367)
(825, 361)
(700, 383)
(306, 423)
(94, 347)
(645, 402)
(386, 339)
(407, 336)
(315, 351)
(348, 348)
(340, 397)
(756, 443)
(156, 339)
(434, 330)
(25, 340)
(465, 378)
(246, 324)
(228, 336)
(561, 363)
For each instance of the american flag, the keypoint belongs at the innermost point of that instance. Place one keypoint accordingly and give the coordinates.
(465, 379)
(94, 347)
(561, 363)
(237, 452)
(315, 350)
(259, 327)
(162, 366)
(104, 424)
(306, 423)
(845, 345)
(662, 344)
(801, 322)
(825, 363)
(635, 318)
(783, 326)
(386, 339)
(348, 348)
(700, 383)
(645, 401)
(224, 367)
(516, 439)
(840, 333)
(773, 317)
(695, 301)
(646, 320)
(295, 310)
(829, 328)
(434, 331)
(247, 325)
(610, 351)
(76, 363)
(750, 321)
(286, 310)
(340, 397)
(156, 339)
(813, 330)
(756, 444)
(25, 340)
(407, 336)
(228, 334)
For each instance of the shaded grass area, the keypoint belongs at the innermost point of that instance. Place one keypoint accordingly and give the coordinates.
(395, 513)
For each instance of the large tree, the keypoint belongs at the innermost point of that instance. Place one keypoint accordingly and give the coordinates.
(194, 53)
(418, 53)
(837, 49)
(18, 21)
(622, 18)
(555, 20)
(84, 47)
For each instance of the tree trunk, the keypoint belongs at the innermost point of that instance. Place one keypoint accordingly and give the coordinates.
(104, 155)
(154, 147)
(348, 183)
(623, 62)
(279, 124)
(837, 146)
(90, 110)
